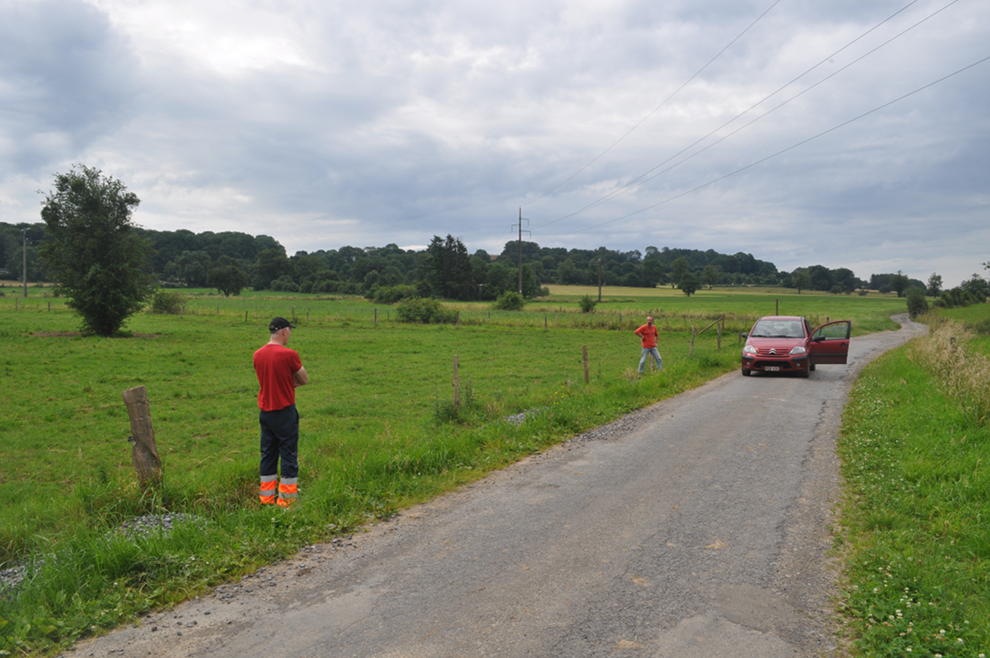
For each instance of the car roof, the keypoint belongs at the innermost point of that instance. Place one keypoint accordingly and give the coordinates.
(782, 317)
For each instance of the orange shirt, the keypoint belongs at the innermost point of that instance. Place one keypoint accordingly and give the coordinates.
(276, 366)
(648, 332)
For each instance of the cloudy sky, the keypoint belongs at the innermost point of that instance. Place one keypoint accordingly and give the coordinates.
(801, 131)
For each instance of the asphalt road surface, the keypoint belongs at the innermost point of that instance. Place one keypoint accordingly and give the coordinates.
(696, 527)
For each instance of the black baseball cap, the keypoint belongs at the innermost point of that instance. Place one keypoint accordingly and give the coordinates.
(278, 324)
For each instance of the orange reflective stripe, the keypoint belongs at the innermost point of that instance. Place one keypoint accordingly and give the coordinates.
(288, 488)
(285, 502)
(267, 500)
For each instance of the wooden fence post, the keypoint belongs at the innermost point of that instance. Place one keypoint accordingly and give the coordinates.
(584, 359)
(144, 453)
(718, 334)
(457, 384)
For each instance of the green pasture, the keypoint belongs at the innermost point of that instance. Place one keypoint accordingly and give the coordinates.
(379, 428)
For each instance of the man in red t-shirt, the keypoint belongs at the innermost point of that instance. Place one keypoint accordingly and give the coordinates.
(279, 372)
(648, 332)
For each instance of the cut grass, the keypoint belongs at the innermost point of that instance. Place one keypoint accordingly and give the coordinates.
(914, 523)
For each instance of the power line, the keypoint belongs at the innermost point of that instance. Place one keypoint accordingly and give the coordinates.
(664, 101)
(800, 143)
(645, 175)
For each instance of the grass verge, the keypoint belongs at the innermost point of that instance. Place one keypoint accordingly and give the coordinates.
(914, 532)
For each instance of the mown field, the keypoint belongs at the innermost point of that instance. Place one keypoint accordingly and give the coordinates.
(379, 431)
(914, 532)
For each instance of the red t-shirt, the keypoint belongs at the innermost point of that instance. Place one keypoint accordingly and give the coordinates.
(276, 366)
(648, 332)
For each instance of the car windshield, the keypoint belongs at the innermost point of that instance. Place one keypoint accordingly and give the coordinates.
(778, 329)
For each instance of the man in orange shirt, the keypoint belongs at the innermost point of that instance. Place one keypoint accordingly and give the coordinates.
(279, 372)
(648, 332)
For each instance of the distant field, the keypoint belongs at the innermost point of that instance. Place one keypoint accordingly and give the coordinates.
(378, 430)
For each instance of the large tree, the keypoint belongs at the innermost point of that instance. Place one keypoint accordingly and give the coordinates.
(93, 251)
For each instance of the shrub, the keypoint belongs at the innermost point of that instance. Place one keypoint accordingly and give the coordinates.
(916, 302)
(392, 294)
(425, 310)
(171, 303)
(284, 284)
(587, 304)
(510, 300)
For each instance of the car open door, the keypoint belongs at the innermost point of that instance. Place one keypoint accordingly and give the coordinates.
(830, 342)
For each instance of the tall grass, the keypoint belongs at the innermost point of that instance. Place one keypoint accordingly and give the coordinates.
(915, 452)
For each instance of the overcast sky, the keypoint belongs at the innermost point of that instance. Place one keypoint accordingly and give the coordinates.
(330, 123)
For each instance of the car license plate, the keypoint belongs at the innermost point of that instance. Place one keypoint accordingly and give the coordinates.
(772, 368)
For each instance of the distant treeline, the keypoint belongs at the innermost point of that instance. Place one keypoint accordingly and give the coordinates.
(232, 260)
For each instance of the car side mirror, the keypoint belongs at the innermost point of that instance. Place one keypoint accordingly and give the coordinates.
(743, 335)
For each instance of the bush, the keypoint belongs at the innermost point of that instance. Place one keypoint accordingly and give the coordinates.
(916, 302)
(171, 303)
(284, 284)
(425, 310)
(587, 304)
(510, 300)
(392, 294)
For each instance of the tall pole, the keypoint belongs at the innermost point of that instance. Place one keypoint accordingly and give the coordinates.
(519, 250)
(24, 260)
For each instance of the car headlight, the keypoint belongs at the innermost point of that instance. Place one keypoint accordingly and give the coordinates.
(798, 350)
(749, 349)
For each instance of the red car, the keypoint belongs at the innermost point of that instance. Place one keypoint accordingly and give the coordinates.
(786, 343)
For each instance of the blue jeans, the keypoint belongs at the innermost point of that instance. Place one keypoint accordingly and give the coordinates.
(655, 353)
(280, 439)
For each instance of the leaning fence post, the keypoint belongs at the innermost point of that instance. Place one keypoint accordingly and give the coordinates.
(584, 360)
(718, 334)
(144, 453)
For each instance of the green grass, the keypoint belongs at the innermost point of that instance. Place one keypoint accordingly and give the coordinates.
(915, 531)
(378, 429)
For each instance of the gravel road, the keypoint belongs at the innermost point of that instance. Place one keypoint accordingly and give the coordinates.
(695, 527)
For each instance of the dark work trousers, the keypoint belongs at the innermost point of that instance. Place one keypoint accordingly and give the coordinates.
(280, 438)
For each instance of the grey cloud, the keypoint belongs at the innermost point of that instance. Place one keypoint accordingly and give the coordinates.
(68, 79)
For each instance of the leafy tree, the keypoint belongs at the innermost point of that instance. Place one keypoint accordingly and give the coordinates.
(679, 269)
(710, 275)
(94, 252)
(448, 269)
(689, 284)
(934, 285)
(271, 264)
(801, 279)
(899, 283)
(228, 279)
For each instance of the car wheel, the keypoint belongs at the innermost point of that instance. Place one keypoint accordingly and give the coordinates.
(811, 367)
(745, 372)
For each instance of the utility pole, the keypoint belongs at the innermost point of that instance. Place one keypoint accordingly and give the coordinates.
(519, 247)
(601, 274)
(24, 259)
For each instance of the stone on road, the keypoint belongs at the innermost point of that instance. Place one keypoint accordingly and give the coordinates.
(695, 527)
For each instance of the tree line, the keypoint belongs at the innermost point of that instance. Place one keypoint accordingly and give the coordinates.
(231, 261)
(109, 267)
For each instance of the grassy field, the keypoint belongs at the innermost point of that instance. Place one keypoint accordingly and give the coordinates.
(915, 449)
(379, 430)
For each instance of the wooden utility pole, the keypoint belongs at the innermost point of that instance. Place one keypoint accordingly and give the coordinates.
(519, 253)
(24, 259)
(144, 453)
